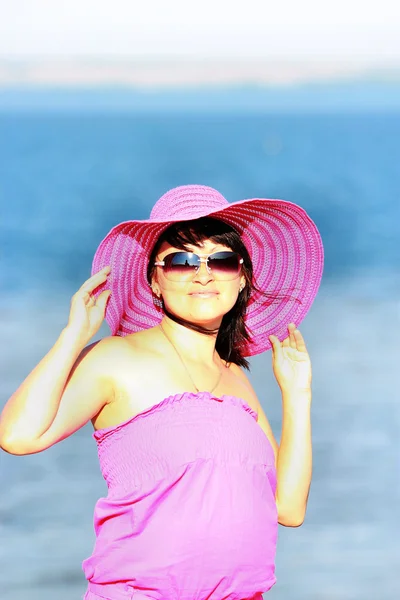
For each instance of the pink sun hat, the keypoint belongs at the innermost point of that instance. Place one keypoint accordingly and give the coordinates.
(284, 244)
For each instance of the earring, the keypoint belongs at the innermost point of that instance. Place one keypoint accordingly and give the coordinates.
(241, 288)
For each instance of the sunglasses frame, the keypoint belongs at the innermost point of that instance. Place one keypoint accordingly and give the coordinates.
(202, 259)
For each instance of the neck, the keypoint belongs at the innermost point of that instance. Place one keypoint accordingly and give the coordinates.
(196, 346)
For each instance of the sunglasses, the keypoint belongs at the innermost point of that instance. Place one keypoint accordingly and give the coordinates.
(180, 266)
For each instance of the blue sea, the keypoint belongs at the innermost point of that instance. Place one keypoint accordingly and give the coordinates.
(67, 177)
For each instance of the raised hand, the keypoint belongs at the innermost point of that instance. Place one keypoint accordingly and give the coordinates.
(86, 314)
(290, 362)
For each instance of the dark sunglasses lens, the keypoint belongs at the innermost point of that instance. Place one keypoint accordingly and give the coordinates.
(224, 264)
(180, 263)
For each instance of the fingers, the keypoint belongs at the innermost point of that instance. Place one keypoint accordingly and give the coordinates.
(290, 340)
(276, 346)
(101, 301)
(294, 340)
(300, 343)
(95, 280)
(104, 272)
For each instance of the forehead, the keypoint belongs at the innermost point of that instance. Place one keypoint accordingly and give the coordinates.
(206, 247)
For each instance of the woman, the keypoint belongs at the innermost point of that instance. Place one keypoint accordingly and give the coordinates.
(196, 480)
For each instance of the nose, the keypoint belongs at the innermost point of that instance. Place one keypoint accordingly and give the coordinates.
(203, 275)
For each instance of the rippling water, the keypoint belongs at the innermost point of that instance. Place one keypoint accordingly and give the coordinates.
(65, 180)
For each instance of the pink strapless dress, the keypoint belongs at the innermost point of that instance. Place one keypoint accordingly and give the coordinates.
(190, 512)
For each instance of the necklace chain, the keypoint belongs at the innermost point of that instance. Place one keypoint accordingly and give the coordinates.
(185, 367)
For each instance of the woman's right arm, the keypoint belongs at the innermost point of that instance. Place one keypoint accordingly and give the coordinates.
(69, 385)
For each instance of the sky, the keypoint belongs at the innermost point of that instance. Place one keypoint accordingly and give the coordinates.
(356, 30)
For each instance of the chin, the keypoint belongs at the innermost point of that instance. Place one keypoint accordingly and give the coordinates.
(205, 317)
(206, 313)
(208, 319)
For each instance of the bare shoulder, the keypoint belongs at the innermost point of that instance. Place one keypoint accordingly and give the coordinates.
(244, 380)
(239, 371)
(125, 357)
(105, 348)
(95, 359)
(111, 350)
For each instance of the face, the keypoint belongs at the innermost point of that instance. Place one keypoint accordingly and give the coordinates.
(203, 298)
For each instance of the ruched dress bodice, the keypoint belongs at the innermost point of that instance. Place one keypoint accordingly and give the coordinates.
(190, 512)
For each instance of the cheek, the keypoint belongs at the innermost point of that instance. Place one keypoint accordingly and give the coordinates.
(229, 298)
(174, 294)
(173, 288)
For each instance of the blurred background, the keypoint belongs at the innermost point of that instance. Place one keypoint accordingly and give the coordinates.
(103, 108)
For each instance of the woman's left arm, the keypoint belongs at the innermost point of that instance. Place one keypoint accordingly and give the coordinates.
(292, 369)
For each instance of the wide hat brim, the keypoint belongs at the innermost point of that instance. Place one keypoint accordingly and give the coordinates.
(283, 242)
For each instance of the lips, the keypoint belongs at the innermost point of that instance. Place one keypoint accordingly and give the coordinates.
(204, 294)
